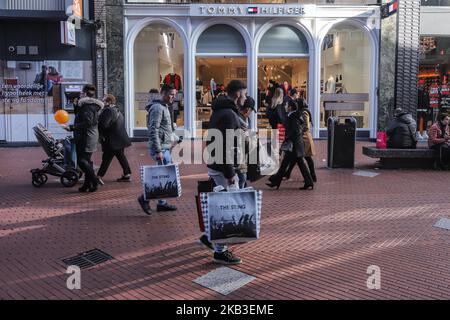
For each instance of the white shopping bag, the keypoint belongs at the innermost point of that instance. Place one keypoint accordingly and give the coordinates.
(160, 182)
(233, 216)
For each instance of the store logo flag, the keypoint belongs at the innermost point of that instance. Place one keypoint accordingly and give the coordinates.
(252, 10)
(393, 7)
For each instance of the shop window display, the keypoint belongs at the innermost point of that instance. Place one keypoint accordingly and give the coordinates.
(433, 80)
(31, 91)
(345, 75)
(158, 60)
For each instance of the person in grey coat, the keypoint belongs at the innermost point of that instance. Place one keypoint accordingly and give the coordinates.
(85, 133)
(161, 138)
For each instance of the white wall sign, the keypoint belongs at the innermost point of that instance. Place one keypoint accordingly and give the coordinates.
(68, 33)
(253, 10)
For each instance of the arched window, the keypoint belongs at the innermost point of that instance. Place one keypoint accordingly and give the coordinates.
(283, 61)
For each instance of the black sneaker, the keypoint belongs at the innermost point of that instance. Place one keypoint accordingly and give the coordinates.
(226, 257)
(144, 205)
(165, 207)
(205, 242)
(126, 178)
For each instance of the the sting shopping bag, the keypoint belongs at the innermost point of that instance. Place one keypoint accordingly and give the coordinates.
(160, 182)
(202, 186)
(233, 216)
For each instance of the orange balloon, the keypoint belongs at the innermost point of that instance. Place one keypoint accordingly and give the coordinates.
(62, 116)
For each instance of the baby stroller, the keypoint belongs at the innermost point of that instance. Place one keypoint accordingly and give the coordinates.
(61, 161)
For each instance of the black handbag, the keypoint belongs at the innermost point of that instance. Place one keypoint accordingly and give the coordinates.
(287, 146)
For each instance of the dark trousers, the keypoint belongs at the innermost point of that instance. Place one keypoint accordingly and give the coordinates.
(107, 157)
(443, 150)
(311, 168)
(86, 165)
(288, 160)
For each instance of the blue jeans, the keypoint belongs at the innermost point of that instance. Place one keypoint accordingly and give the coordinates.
(167, 159)
(242, 179)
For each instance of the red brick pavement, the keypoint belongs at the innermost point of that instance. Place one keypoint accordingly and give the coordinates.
(314, 244)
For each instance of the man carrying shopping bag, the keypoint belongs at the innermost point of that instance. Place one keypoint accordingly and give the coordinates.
(225, 117)
(161, 139)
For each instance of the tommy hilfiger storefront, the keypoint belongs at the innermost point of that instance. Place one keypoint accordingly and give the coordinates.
(329, 53)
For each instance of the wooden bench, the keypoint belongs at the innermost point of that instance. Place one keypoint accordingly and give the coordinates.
(422, 157)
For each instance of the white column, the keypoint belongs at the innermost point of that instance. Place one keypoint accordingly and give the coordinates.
(190, 102)
(252, 70)
(314, 86)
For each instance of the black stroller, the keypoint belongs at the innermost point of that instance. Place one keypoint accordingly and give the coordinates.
(61, 161)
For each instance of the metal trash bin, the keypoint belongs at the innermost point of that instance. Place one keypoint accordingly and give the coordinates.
(341, 142)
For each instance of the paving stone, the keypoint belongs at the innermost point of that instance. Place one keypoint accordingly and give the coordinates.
(363, 173)
(443, 223)
(224, 280)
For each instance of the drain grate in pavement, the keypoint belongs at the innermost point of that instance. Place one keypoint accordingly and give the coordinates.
(88, 259)
(224, 280)
(363, 173)
(443, 223)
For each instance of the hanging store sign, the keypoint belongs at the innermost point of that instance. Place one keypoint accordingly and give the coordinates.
(230, 10)
(68, 33)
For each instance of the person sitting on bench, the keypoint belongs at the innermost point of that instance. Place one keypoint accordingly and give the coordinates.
(401, 132)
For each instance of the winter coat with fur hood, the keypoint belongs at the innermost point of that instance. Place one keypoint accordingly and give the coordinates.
(85, 127)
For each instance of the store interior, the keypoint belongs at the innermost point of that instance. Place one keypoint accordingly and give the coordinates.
(433, 80)
(293, 71)
(213, 74)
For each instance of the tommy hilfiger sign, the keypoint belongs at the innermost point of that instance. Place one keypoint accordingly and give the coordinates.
(250, 10)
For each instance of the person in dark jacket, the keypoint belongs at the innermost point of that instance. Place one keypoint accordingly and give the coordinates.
(310, 149)
(222, 168)
(401, 132)
(294, 138)
(85, 133)
(114, 139)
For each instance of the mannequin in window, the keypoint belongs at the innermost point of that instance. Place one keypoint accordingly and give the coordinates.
(331, 85)
(174, 80)
(213, 87)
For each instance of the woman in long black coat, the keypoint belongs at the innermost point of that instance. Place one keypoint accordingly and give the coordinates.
(114, 139)
(294, 137)
(85, 133)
